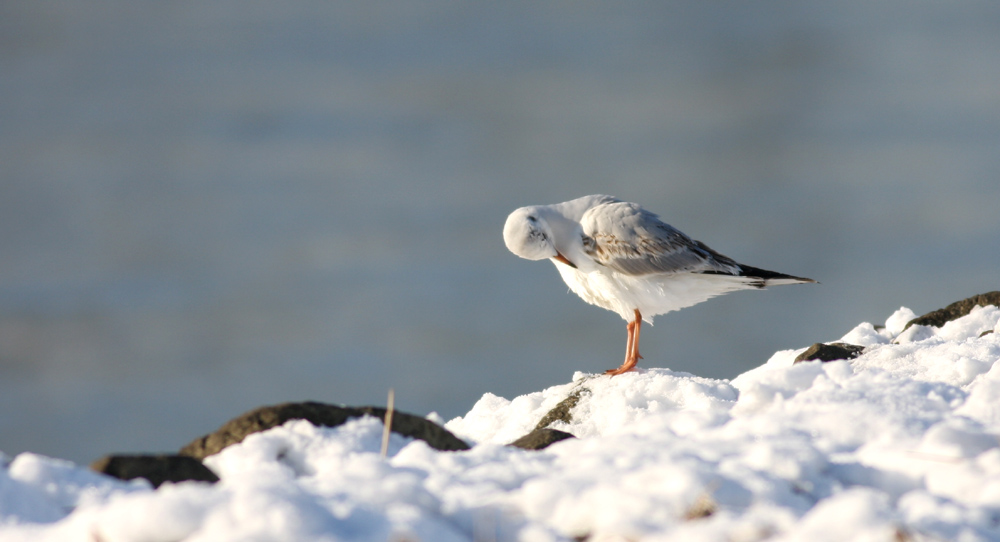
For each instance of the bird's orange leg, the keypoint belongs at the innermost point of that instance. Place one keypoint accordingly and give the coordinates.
(629, 344)
(635, 339)
(632, 356)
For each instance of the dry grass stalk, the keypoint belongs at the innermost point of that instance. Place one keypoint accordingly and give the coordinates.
(387, 422)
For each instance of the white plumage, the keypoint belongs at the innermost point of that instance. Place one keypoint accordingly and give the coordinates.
(621, 257)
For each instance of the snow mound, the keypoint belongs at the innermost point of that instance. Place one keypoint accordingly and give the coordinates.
(900, 443)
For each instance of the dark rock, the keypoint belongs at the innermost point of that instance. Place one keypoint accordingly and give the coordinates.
(955, 311)
(540, 439)
(319, 414)
(155, 468)
(985, 333)
(830, 352)
(561, 412)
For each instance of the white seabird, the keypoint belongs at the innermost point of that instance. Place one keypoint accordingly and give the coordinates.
(623, 258)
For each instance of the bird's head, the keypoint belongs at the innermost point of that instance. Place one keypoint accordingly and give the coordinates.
(528, 235)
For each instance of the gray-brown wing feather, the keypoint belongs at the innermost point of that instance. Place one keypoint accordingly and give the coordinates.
(627, 238)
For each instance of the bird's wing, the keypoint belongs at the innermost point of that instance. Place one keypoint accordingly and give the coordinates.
(633, 241)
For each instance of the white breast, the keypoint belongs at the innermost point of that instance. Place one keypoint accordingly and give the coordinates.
(651, 294)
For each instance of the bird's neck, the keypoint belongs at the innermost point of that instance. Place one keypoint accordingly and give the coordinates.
(567, 237)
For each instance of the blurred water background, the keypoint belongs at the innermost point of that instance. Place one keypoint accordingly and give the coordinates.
(210, 206)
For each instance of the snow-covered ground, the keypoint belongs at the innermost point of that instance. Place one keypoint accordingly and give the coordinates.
(900, 443)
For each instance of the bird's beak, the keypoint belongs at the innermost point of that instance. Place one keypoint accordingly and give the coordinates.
(560, 258)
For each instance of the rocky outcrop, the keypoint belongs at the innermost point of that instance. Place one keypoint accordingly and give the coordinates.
(830, 352)
(562, 411)
(956, 310)
(319, 414)
(542, 436)
(937, 318)
(158, 469)
(539, 439)
(187, 465)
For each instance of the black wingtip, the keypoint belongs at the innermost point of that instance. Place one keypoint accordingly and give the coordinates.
(769, 276)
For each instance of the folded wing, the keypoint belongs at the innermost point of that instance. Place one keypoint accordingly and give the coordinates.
(633, 241)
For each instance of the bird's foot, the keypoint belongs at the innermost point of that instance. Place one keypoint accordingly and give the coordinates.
(628, 366)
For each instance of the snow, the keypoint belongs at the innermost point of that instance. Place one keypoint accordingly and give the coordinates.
(901, 443)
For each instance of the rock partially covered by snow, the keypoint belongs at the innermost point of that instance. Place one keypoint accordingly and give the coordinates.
(602, 405)
(157, 469)
(539, 439)
(830, 352)
(320, 414)
(900, 443)
(956, 310)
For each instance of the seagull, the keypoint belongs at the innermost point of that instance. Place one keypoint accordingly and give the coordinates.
(623, 258)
